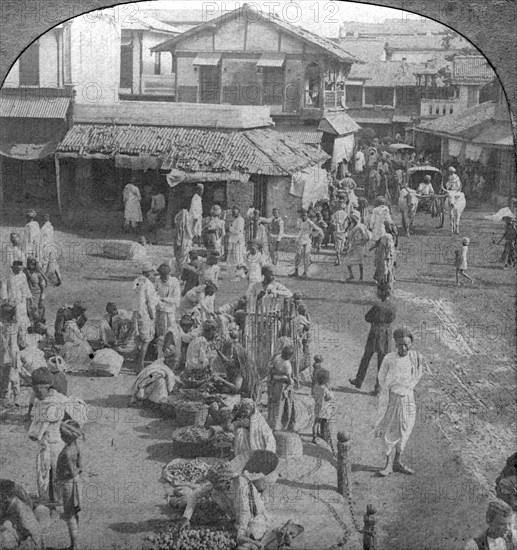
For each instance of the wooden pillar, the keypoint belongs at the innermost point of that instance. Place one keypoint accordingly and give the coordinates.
(343, 448)
(58, 185)
(369, 534)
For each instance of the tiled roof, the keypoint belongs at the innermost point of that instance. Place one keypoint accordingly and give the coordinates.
(140, 20)
(393, 73)
(252, 14)
(34, 107)
(499, 134)
(339, 124)
(367, 50)
(309, 137)
(472, 68)
(195, 150)
(433, 42)
(464, 122)
(394, 27)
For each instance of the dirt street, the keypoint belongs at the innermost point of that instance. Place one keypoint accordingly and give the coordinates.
(466, 408)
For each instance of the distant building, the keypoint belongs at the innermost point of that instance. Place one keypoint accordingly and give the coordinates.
(246, 57)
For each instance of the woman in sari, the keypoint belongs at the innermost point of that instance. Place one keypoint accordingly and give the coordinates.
(132, 208)
(183, 238)
(385, 257)
(281, 412)
(252, 432)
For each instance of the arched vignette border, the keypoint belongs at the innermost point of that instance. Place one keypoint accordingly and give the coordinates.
(488, 24)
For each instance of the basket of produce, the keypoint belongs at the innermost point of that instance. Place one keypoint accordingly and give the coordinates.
(191, 539)
(185, 472)
(192, 441)
(190, 413)
(196, 379)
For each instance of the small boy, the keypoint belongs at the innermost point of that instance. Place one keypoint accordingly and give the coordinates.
(323, 410)
(461, 261)
(69, 469)
(209, 270)
(316, 366)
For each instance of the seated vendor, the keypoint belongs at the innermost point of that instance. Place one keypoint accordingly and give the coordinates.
(187, 333)
(252, 432)
(155, 382)
(201, 352)
(241, 372)
(238, 494)
(19, 527)
(64, 314)
(115, 330)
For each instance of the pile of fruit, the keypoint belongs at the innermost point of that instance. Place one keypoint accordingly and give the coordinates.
(191, 539)
(192, 434)
(194, 471)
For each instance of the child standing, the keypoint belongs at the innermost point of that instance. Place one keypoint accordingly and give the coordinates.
(461, 261)
(69, 469)
(323, 409)
(9, 351)
(316, 366)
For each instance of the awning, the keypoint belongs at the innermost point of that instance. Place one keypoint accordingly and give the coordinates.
(33, 107)
(28, 151)
(211, 59)
(402, 118)
(271, 60)
(338, 124)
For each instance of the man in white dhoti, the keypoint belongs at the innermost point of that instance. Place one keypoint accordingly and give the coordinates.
(196, 211)
(400, 372)
(380, 214)
(453, 180)
(236, 242)
(31, 235)
(132, 208)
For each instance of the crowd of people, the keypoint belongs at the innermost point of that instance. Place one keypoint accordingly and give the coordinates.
(173, 334)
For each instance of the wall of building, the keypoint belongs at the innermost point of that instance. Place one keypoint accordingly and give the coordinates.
(240, 195)
(151, 39)
(199, 43)
(230, 36)
(48, 60)
(278, 196)
(261, 36)
(95, 57)
(241, 84)
(13, 76)
(294, 80)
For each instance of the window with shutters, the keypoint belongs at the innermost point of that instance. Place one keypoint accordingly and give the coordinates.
(273, 85)
(29, 66)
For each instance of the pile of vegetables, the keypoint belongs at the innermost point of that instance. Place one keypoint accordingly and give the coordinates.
(194, 471)
(191, 539)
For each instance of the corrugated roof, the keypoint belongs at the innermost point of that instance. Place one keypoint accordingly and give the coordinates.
(196, 150)
(269, 59)
(34, 107)
(140, 20)
(339, 124)
(207, 58)
(472, 68)
(459, 123)
(252, 14)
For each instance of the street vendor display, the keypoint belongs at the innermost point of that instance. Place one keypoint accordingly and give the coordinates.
(236, 490)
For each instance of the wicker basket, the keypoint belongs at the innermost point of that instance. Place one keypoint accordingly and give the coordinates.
(192, 449)
(288, 445)
(190, 417)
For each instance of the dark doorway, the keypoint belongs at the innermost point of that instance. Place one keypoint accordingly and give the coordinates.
(209, 84)
(126, 66)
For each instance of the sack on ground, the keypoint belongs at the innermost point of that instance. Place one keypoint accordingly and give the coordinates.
(107, 362)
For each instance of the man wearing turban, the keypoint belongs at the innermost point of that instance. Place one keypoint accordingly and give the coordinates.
(400, 372)
(498, 518)
(31, 235)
